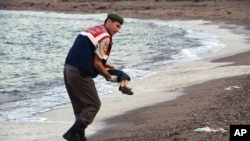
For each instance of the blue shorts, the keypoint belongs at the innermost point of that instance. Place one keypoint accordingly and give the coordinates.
(120, 75)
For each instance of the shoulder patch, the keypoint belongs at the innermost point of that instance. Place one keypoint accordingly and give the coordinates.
(105, 48)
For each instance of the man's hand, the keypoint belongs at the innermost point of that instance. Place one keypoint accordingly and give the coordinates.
(113, 78)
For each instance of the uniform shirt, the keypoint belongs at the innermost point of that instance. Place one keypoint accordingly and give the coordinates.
(103, 49)
(94, 40)
(100, 39)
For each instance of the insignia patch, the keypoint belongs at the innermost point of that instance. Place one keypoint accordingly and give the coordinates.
(105, 48)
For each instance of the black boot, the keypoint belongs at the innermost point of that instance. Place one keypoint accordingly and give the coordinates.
(82, 134)
(73, 133)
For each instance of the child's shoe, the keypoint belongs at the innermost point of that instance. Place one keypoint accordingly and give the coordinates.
(126, 90)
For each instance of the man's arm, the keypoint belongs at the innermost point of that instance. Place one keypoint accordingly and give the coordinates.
(109, 66)
(100, 53)
(100, 68)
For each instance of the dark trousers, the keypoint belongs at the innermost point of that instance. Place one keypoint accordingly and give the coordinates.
(120, 75)
(82, 93)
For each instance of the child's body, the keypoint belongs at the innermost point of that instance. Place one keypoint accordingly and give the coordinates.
(123, 78)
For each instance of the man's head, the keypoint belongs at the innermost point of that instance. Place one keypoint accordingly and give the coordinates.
(113, 23)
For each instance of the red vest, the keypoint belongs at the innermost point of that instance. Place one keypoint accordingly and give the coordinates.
(96, 34)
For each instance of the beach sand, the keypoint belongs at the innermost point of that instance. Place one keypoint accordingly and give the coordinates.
(170, 105)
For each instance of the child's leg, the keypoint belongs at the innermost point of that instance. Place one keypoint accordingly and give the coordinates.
(123, 78)
(124, 83)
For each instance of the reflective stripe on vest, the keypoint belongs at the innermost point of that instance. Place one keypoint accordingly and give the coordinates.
(96, 34)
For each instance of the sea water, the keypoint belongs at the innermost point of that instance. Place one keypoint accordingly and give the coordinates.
(33, 47)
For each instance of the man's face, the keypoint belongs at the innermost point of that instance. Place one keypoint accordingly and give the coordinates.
(112, 26)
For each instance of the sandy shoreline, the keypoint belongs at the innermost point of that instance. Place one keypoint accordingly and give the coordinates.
(206, 104)
(228, 11)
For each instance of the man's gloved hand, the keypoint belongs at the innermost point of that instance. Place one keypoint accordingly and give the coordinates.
(113, 78)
